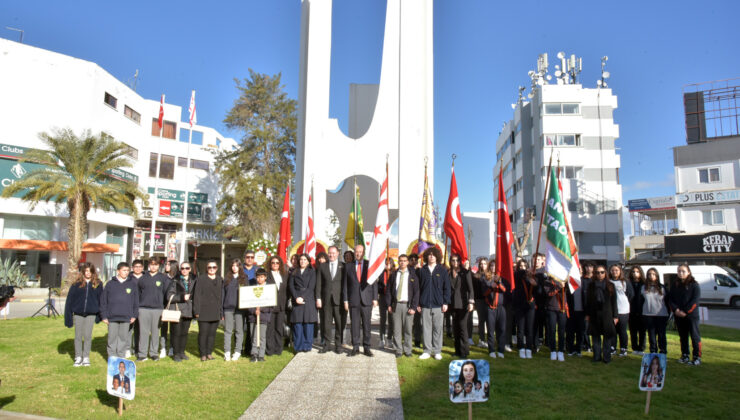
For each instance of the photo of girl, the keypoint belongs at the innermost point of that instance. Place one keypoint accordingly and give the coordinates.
(652, 372)
(467, 379)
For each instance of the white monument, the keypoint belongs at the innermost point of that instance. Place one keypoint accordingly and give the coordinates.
(401, 124)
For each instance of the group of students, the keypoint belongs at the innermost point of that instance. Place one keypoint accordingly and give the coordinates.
(413, 298)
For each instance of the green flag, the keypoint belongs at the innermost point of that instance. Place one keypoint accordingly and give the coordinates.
(559, 257)
(354, 235)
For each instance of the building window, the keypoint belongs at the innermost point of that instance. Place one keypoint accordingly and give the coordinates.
(182, 162)
(570, 108)
(708, 175)
(131, 152)
(712, 217)
(131, 114)
(166, 166)
(551, 109)
(169, 129)
(28, 227)
(199, 164)
(518, 186)
(507, 168)
(115, 235)
(111, 100)
(509, 193)
(562, 109)
(562, 140)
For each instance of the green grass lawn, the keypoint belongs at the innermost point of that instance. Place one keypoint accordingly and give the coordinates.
(579, 388)
(38, 377)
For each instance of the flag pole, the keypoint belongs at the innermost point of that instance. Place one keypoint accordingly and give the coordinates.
(183, 245)
(500, 180)
(542, 209)
(388, 238)
(155, 213)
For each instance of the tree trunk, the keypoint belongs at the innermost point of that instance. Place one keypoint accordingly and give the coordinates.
(76, 229)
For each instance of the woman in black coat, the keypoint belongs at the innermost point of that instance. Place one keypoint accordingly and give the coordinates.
(208, 308)
(181, 292)
(301, 284)
(601, 313)
(463, 302)
(277, 275)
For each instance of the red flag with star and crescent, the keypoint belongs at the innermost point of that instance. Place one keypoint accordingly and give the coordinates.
(309, 247)
(453, 222)
(504, 266)
(161, 113)
(284, 241)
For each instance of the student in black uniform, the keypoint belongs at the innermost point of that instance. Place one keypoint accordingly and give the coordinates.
(208, 308)
(494, 289)
(601, 314)
(152, 287)
(234, 318)
(462, 304)
(82, 309)
(557, 315)
(181, 292)
(277, 275)
(637, 328)
(684, 302)
(481, 307)
(137, 271)
(523, 302)
(119, 308)
(264, 312)
(540, 301)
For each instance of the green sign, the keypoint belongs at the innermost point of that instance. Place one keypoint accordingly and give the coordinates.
(177, 195)
(195, 210)
(12, 170)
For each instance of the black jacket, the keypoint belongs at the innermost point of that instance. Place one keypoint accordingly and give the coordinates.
(685, 297)
(82, 301)
(636, 299)
(601, 308)
(357, 292)
(231, 293)
(413, 289)
(152, 290)
(461, 290)
(494, 292)
(282, 293)
(329, 289)
(208, 298)
(556, 300)
(303, 285)
(522, 296)
(119, 301)
(177, 291)
(383, 281)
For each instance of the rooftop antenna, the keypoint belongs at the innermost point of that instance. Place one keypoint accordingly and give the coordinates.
(604, 74)
(17, 30)
(134, 80)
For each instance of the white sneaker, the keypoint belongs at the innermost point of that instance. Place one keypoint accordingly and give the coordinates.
(78, 362)
(529, 353)
(492, 355)
(553, 355)
(471, 342)
(86, 361)
(508, 348)
(481, 343)
(162, 354)
(522, 354)
(424, 356)
(127, 355)
(227, 356)
(561, 356)
(500, 355)
(437, 357)
(171, 352)
(236, 357)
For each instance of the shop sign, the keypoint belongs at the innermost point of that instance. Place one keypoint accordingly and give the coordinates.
(177, 195)
(707, 197)
(202, 234)
(709, 243)
(653, 203)
(160, 242)
(12, 171)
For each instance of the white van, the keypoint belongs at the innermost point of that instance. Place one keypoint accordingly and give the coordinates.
(719, 286)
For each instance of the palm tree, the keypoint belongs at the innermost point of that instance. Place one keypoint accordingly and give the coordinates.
(77, 173)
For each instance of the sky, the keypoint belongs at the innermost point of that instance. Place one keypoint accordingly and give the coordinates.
(482, 51)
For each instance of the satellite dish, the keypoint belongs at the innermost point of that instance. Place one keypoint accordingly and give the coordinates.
(531, 73)
(561, 55)
(646, 225)
(605, 75)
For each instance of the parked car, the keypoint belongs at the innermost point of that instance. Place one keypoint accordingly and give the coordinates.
(719, 286)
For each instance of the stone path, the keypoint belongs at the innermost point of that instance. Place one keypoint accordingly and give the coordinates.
(333, 386)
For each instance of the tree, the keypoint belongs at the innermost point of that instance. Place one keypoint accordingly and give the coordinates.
(76, 172)
(254, 176)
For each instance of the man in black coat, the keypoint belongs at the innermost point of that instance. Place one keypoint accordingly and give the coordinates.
(359, 298)
(329, 300)
(403, 294)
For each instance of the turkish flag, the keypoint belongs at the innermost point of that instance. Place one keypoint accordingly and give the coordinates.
(504, 237)
(453, 222)
(164, 207)
(161, 112)
(284, 241)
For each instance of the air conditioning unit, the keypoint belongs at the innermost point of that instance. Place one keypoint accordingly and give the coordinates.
(207, 214)
(148, 202)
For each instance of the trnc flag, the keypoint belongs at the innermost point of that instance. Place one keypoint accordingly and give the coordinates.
(559, 256)
(378, 251)
(574, 277)
(191, 109)
(284, 241)
(428, 219)
(161, 113)
(309, 247)
(354, 234)
(453, 222)
(504, 237)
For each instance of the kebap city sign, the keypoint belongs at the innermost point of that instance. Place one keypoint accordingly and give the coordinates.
(717, 243)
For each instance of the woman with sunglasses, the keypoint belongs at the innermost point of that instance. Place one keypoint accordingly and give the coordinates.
(301, 284)
(602, 314)
(234, 318)
(463, 302)
(208, 309)
(181, 292)
(278, 275)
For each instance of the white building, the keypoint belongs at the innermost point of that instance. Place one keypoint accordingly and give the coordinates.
(574, 125)
(42, 91)
(480, 233)
(707, 171)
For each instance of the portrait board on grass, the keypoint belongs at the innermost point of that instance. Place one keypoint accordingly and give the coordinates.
(257, 296)
(121, 378)
(469, 381)
(652, 372)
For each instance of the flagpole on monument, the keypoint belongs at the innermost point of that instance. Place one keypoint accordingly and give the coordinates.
(184, 238)
(155, 213)
(542, 209)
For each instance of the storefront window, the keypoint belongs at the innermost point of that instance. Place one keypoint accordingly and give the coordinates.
(28, 227)
(30, 261)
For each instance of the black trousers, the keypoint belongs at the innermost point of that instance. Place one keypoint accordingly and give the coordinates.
(448, 323)
(621, 331)
(556, 323)
(689, 326)
(637, 332)
(207, 336)
(509, 325)
(417, 329)
(386, 322)
(540, 322)
(599, 343)
(275, 334)
(360, 318)
(163, 330)
(336, 313)
(247, 333)
(525, 328)
(179, 335)
(575, 331)
(481, 308)
(496, 322)
(460, 330)
(656, 326)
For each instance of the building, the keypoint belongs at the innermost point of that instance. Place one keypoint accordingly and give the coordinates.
(480, 234)
(707, 171)
(651, 219)
(574, 126)
(42, 91)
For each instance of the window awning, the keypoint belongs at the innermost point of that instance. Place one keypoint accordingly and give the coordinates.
(37, 245)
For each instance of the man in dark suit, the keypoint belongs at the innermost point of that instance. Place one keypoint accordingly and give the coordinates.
(121, 376)
(403, 294)
(329, 300)
(359, 298)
